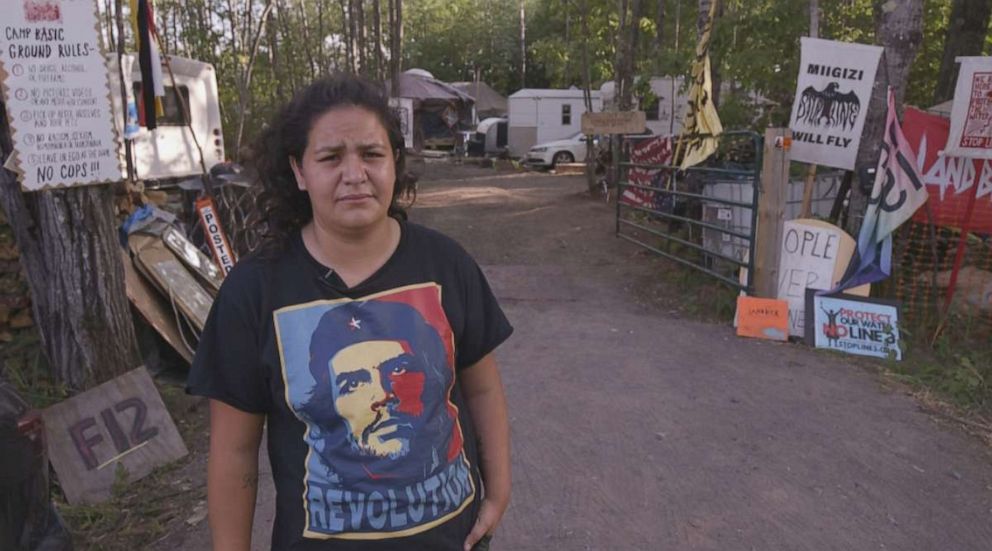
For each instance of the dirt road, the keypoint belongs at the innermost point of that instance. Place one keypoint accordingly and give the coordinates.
(634, 428)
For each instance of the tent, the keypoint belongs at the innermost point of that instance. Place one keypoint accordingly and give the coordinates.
(488, 102)
(441, 112)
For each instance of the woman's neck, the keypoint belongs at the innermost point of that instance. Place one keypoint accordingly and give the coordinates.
(354, 256)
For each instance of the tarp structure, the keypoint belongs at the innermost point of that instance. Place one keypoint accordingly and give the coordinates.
(488, 102)
(440, 111)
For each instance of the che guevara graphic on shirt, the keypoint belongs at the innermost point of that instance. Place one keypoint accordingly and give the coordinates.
(372, 380)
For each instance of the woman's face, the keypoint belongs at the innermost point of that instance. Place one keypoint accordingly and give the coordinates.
(348, 169)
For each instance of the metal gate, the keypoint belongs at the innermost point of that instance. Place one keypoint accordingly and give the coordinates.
(703, 217)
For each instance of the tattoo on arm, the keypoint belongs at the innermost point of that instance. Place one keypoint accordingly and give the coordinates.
(249, 480)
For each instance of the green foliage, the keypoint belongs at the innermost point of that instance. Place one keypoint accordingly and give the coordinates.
(923, 74)
(24, 366)
(755, 46)
(457, 40)
(958, 369)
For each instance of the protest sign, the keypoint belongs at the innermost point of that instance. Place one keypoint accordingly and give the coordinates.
(121, 423)
(56, 89)
(856, 325)
(971, 116)
(762, 318)
(814, 255)
(828, 114)
(949, 180)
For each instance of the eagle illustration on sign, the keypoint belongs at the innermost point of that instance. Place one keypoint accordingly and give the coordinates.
(829, 107)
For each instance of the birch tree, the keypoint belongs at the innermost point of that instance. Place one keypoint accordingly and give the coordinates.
(899, 29)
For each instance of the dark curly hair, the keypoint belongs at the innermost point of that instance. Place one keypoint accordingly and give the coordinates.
(284, 208)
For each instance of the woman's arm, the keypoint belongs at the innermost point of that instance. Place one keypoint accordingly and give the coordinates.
(232, 475)
(487, 404)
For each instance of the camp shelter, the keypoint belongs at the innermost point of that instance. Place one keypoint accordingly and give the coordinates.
(538, 115)
(488, 102)
(441, 112)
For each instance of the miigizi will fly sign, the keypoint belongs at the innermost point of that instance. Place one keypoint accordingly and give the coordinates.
(832, 96)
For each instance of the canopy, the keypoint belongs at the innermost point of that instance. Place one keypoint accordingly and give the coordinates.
(416, 85)
(488, 102)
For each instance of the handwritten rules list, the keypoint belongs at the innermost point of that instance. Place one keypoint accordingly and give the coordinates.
(56, 88)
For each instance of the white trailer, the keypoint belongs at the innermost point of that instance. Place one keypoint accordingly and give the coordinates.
(170, 150)
(539, 115)
(663, 116)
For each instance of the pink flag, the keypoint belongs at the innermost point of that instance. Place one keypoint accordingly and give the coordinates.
(896, 195)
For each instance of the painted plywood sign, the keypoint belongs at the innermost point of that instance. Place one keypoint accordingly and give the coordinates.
(56, 88)
(855, 325)
(119, 424)
(614, 122)
(814, 256)
(971, 116)
(828, 114)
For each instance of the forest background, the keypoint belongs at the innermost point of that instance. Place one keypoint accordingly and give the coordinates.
(264, 50)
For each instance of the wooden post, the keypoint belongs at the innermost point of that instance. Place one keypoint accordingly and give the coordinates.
(771, 210)
(814, 32)
(807, 207)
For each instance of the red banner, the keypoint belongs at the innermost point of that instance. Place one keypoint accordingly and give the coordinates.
(951, 181)
(652, 151)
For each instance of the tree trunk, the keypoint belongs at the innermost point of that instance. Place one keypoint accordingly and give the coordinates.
(377, 42)
(321, 35)
(68, 244)
(363, 67)
(659, 24)
(349, 53)
(523, 46)
(625, 63)
(899, 29)
(701, 19)
(353, 44)
(620, 56)
(966, 30)
(395, 45)
(633, 37)
(587, 97)
(307, 43)
(244, 86)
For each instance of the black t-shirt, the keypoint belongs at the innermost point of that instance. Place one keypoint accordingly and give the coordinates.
(370, 442)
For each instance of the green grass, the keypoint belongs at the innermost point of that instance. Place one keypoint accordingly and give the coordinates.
(957, 369)
(138, 513)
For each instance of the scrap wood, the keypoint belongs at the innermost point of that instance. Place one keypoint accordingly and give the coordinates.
(157, 263)
(194, 259)
(153, 309)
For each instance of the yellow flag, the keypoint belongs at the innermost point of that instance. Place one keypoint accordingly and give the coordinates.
(701, 127)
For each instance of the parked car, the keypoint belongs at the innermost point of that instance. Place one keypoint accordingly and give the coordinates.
(551, 154)
(28, 521)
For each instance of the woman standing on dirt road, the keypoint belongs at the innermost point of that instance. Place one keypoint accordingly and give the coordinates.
(363, 340)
